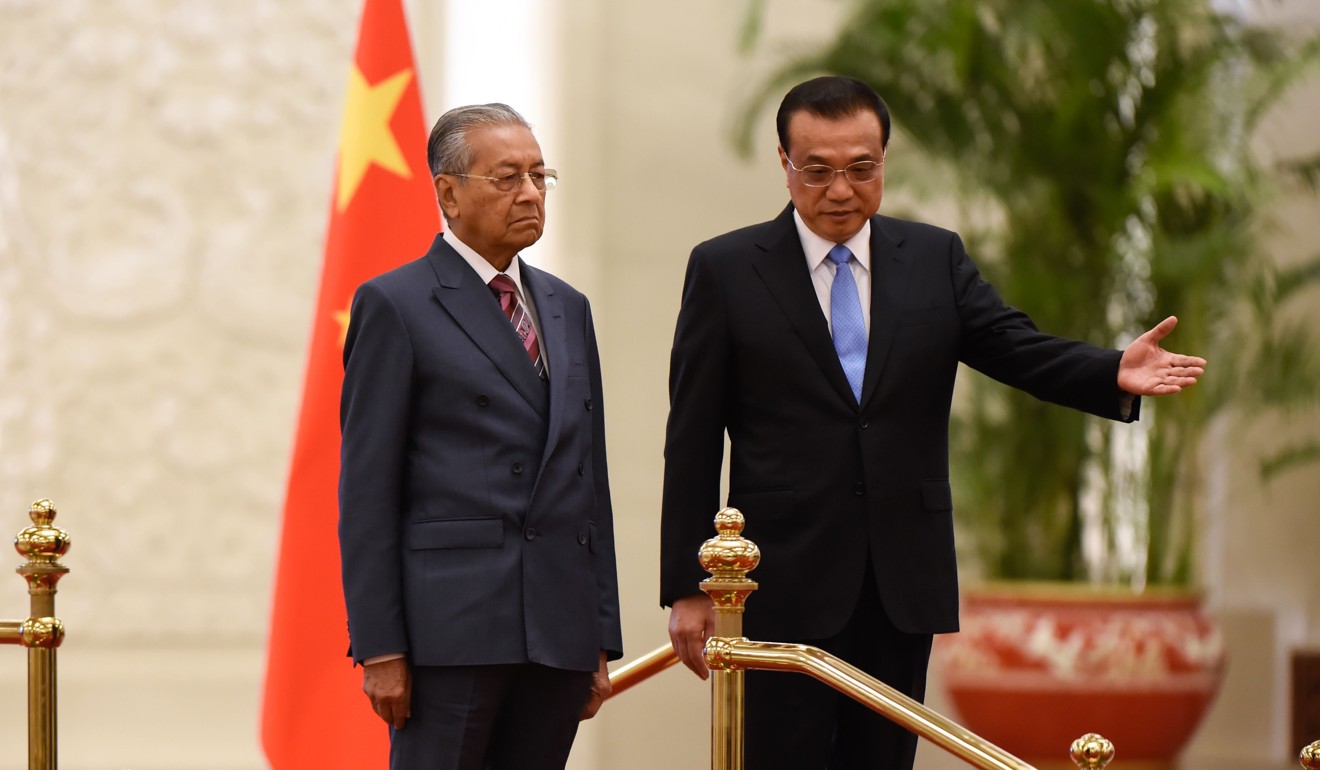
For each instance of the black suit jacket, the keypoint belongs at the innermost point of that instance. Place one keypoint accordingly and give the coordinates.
(822, 479)
(475, 522)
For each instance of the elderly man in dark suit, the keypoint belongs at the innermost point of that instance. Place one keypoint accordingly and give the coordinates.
(475, 523)
(825, 342)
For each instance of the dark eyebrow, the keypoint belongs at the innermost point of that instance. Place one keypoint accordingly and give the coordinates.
(866, 156)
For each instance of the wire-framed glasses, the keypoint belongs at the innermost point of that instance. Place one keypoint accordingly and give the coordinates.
(817, 175)
(542, 179)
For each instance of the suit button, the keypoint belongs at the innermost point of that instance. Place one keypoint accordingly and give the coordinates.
(865, 424)
(582, 538)
(588, 404)
(529, 533)
(517, 468)
(483, 400)
(857, 488)
(581, 471)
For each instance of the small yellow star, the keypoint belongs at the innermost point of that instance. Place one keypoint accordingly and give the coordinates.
(366, 137)
(341, 318)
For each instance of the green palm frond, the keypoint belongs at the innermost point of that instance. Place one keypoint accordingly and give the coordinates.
(1109, 136)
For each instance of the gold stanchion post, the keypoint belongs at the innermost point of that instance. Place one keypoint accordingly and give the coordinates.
(728, 557)
(42, 544)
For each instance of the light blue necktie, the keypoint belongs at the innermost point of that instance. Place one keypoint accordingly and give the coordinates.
(846, 321)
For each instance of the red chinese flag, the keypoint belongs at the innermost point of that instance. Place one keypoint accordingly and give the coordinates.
(383, 213)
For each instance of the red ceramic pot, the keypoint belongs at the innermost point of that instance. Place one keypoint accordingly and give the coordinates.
(1038, 665)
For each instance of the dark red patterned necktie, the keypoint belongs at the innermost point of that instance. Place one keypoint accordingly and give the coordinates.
(504, 290)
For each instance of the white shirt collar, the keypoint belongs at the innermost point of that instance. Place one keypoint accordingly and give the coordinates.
(817, 248)
(484, 269)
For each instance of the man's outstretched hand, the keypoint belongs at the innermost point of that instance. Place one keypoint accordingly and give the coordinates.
(1147, 369)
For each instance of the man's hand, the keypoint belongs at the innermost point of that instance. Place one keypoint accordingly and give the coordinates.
(691, 622)
(388, 684)
(1146, 369)
(600, 689)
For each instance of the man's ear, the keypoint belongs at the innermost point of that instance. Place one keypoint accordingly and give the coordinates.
(444, 193)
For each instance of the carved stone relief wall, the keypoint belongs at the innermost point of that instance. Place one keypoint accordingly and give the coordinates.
(164, 183)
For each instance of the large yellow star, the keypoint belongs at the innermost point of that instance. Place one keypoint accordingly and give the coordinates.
(366, 137)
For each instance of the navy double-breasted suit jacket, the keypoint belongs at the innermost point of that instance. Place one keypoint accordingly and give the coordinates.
(825, 481)
(475, 522)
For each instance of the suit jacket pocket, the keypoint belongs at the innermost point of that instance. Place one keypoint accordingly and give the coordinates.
(769, 504)
(457, 533)
(936, 495)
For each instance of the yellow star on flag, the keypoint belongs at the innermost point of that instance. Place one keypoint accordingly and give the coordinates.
(341, 318)
(366, 137)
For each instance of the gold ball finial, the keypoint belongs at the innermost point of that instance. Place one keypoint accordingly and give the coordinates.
(729, 555)
(42, 512)
(1310, 756)
(42, 543)
(729, 521)
(1091, 752)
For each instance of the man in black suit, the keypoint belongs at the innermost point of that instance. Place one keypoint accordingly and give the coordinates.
(825, 342)
(475, 523)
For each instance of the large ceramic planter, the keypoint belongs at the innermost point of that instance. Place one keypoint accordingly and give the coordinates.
(1038, 665)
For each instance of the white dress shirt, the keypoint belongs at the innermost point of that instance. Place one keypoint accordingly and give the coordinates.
(822, 268)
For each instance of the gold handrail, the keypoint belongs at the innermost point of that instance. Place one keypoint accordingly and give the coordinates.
(868, 691)
(41, 633)
(635, 672)
(728, 557)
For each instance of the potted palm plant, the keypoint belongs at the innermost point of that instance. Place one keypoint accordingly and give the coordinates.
(1101, 149)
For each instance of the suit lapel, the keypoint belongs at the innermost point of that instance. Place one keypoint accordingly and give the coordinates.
(470, 303)
(783, 268)
(889, 275)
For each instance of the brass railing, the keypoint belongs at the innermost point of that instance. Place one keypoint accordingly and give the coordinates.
(41, 633)
(728, 558)
(635, 672)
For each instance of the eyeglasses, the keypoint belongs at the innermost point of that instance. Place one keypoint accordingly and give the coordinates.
(861, 172)
(544, 179)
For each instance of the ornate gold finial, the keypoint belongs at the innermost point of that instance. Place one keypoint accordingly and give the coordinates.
(43, 542)
(729, 556)
(1310, 756)
(1091, 752)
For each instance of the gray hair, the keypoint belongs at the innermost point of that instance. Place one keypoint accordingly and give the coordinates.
(448, 151)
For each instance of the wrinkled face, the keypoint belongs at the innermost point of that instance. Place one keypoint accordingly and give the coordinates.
(838, 211)
(497, 225)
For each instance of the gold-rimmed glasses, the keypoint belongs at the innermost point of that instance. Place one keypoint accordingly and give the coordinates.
(819, 175)
(542, 179)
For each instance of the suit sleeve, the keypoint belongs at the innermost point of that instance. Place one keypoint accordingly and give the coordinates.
(1002, 342)
(699, 383)
(373, 420)
(607, 580)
